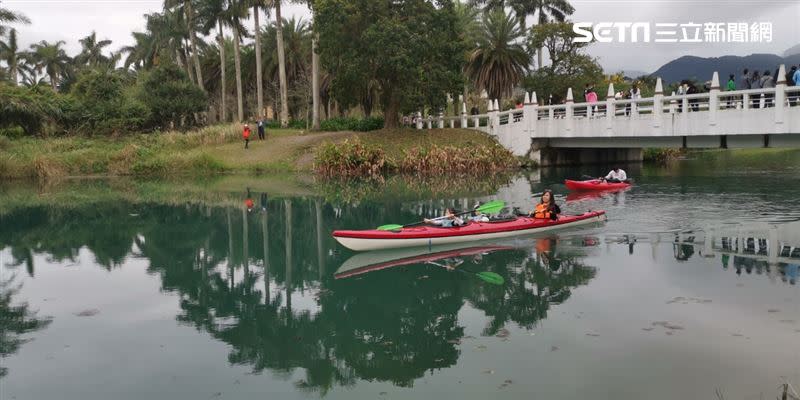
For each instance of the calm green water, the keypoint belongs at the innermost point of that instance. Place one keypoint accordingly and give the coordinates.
(127, 297)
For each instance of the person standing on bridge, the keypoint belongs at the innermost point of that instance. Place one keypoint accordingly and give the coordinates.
(616, 175)
(731, 86)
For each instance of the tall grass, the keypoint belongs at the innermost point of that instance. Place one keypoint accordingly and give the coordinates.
(354, 158)
(158, 154)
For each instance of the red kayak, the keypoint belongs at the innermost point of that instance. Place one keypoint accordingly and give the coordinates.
(374, 239)
(594, 184)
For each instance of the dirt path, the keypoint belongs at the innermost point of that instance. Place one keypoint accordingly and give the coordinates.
(291, 152)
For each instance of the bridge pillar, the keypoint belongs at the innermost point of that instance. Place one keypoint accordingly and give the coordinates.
(430, 122)
(658, 104)
(440, 120)
(780, 100)
(569, 112)
(611, 110)
(713, 102)
(419, 120)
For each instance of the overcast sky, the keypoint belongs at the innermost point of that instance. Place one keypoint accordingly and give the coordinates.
(70, 20)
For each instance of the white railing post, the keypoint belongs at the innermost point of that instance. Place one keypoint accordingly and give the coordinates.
(658, 103)
(762, 102)
(419, 120)
(430, 122)
(684, 104)
(495, 119)
(463, 114)
(611, 109)
(568, 112)
(779, 102)
(745, 101)
(531, 115)
(672, 104)
(713, 101)
(440, 121)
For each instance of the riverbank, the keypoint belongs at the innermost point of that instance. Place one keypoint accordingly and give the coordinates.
(211, 150)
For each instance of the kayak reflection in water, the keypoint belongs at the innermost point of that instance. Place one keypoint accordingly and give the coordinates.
(547, 207)
(449, 219)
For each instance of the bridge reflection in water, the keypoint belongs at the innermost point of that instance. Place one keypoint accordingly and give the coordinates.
(774, 248)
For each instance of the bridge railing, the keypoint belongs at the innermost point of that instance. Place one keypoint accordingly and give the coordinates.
(636, 117)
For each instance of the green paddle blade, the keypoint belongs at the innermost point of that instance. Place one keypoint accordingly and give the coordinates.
(492, 207)
(390, 227)
(491, 277)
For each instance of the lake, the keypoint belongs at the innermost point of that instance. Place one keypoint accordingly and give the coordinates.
(234, 288)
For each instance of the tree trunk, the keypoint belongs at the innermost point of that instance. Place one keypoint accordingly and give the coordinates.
(193, 41)
(54, 81)
(13, 70)
(391, 111)
(222, 72)
(314, 84)
(281, 66)
(259, 84)
(237, 58)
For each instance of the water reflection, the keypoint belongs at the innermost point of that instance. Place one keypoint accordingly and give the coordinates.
(750, 247)
(17, 320)
(254, 277)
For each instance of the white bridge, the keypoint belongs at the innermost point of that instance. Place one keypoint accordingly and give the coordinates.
(621, 128)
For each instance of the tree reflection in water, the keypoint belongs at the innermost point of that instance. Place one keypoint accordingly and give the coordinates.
(16, 320)
(237, 272)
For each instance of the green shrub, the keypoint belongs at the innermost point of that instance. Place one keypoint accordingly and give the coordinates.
(350, 158)
(170, 95)
(352, 124)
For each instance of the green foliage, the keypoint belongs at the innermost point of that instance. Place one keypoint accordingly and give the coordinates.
(30, 109)
(170, 95)
(410, 49)
(662, 156)
(350, 158)
(354, 158)
(105, 105)
(499, 61)
(571, 68)
(352, 124)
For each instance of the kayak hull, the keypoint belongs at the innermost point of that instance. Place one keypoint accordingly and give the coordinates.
(367, 240)
(594, 184)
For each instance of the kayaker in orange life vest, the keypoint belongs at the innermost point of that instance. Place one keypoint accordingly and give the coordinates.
(547, 207)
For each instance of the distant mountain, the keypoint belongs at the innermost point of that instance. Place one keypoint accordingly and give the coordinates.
(632, 73)
(701, 69)
(792, 51)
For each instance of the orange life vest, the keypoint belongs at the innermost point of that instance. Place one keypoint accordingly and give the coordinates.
(542, 211)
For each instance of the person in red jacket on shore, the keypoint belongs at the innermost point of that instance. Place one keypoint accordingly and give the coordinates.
(246, 135)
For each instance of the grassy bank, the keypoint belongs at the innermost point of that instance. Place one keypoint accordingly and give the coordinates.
(211, 150)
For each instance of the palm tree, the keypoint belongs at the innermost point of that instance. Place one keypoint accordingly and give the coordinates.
(257, 33)
(213, 13)
(235, 11)
(500, 61)
(8, 16)
(191, 26)
(546, 11)
(9, 52)
(142, 53)
(50, 58)
(281, 65)
(467, 16)
(92, 52)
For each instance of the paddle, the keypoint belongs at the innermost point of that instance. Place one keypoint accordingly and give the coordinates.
(487, 208)
(489, 277)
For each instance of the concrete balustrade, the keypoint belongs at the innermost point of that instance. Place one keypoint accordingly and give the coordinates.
(733, 119)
